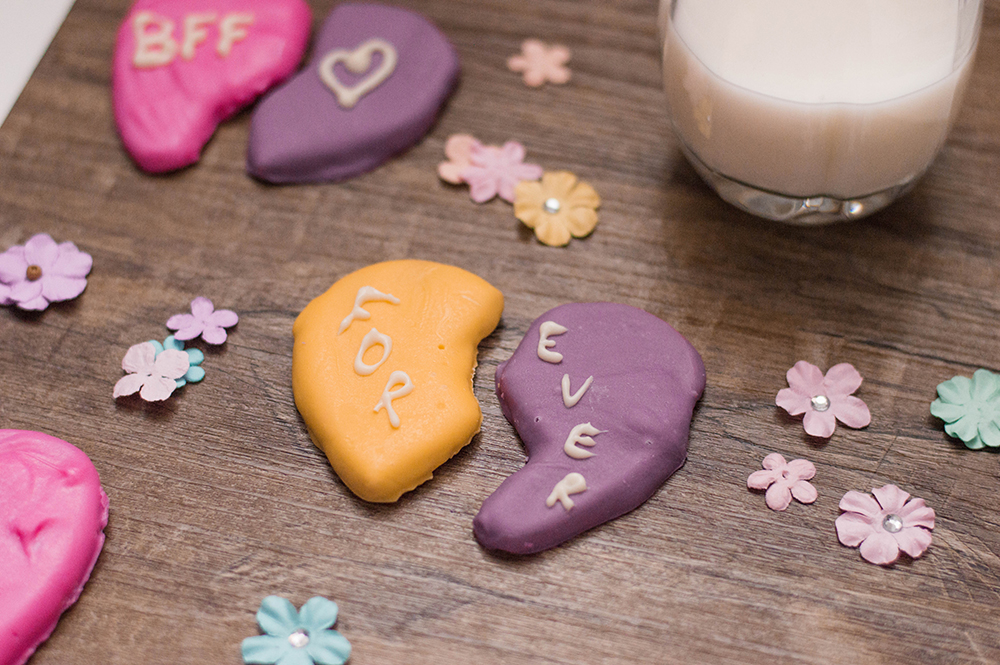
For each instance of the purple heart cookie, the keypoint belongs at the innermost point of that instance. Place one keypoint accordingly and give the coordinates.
(602, 396)
(377, 77)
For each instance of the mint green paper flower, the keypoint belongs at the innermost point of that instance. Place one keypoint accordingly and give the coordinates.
(195, 357)
(970, 408)
(296, 638)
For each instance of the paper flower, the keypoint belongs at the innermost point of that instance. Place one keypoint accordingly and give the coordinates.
(296, 638)
(495, 171)
(824, 399)
(40, 272)
(153, 375)
(458, 150)
(783, 481)
(203, 320)
(970, 408)
(195, 358)
(885, 525)
(541, 63)
(557, 208)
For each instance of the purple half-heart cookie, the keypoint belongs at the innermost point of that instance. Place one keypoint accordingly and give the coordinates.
(377, 77)
(602, 396)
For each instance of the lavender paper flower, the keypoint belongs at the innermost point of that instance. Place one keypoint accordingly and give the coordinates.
(40, 272)
(203, 320)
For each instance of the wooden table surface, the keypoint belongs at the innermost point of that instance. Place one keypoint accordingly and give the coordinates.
(218, 497)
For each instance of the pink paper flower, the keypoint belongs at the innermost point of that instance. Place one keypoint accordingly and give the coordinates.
(458, 150)
(40, 272)
(541, 63)
(824, 399)
(203, 320)
(497, 171)
(153, 376)
(885, 525)
(783, 481)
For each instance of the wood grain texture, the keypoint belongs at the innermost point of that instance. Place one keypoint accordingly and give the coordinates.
(218, 498)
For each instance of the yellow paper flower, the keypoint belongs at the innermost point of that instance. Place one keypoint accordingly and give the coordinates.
(557, 208)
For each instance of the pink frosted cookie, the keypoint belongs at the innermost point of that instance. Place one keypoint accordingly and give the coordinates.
(52, 516)
(183, 66)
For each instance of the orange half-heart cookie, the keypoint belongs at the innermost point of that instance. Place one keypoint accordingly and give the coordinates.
(382, 371)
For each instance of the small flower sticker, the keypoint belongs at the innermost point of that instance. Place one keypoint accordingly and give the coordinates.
(42, 272)
(885, 525)
(203, 320)
(557, 208)
(783, 481)
(494, 171)
(195, 357)
(824, 399)
(540, 63)
(154, 376)
(458, 150)
(970, 408)
(296, 637)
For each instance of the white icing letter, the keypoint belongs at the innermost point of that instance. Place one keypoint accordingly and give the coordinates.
(395, 379)
(544, 343)
(372, 337)
(195, 33)
(573, 483)
(577, 435)
(365, 294)
(232, 29)
(156, 48)
(571, 400)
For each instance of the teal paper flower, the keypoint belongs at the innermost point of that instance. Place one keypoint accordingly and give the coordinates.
(970, 408)
(195, 357)
(297, 638)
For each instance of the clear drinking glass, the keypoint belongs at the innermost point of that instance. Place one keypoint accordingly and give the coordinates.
(811, 111)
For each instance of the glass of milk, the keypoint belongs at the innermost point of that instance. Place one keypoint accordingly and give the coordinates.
(811, 111)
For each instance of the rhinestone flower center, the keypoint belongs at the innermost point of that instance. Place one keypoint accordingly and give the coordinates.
(298, 639)
(551, 206)
(34, 273)
(820, 403)
(892, 523)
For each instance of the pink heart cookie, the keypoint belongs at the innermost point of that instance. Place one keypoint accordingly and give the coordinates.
(52, 517)
(183, 66)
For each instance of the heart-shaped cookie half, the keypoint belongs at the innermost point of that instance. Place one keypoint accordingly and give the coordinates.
(373, 88)
(183, 66)
(52, 516)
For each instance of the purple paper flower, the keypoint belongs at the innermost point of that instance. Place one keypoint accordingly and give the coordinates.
(885, 525)
(783, 481)
(493, 171)
(40, 272)
(824, 399)
(203, 320)
(153, 376)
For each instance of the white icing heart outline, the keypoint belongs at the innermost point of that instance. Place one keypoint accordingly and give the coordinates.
(357, 62)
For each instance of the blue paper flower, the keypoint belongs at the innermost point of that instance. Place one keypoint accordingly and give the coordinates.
(297, 638)
(195, 357)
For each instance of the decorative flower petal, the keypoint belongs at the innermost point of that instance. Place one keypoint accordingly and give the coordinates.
(805, 378)
(195, 356)
(329, 648)
(550, 231)
(171, 364)
(223, 318)
(774, 461)
(318, 614)
(56, 288)
(277, 616)
(803, 491)
(139, 358)
(42, 251)
(862, 504)
(820, 424)
(482, 187)
(947, 412)
(761, 480)
(186, 325)
(793, 402)
(984, 385)
(957, 390)
(880, 548)
(157, 388)
(989, 433)
(71, 262)
(558, 184)
(13, 267)
(193, 375)
(965, 428)
(913, 540)
(528, 195)
(457, 149)
(202, 308)
(800, 469)
(264, 649)
(581, 221)
(128, 385)
(851, 411)
(583, 196)
(5, 295)
(841, 379)
(295, 657)
(778, 497)
(36, 304)
(916, 513)
(22, 292)
(853, 528)
(214, 335)
(891, 498)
